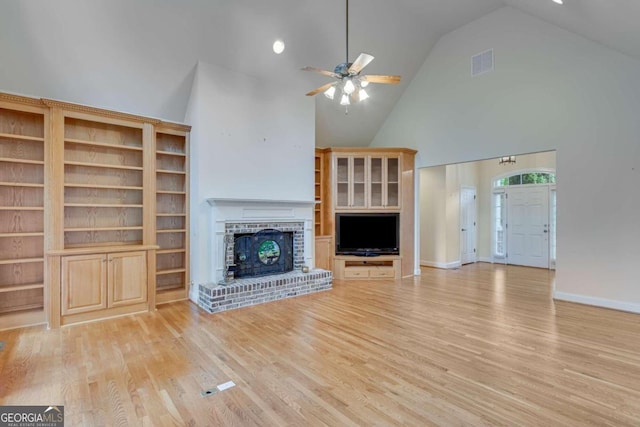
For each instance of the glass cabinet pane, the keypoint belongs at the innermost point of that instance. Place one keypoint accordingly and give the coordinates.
(358, 185)
(342, 181)
(343, 169)
(375, 184)
(393, 174)
(376, 194)
(342, 194)
(358, 195)
(393, 182)
(393, 197)
(376, 170)
(358, 169)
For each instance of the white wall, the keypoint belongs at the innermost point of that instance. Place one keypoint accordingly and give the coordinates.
(551, 90)
(109, 54)
(433, 236)
(251, 139)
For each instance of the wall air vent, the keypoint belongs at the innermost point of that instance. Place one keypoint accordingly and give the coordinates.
(482, 63)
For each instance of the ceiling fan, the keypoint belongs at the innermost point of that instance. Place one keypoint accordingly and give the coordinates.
(348, 76)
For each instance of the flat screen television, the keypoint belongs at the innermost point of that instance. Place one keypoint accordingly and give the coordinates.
(367, 234)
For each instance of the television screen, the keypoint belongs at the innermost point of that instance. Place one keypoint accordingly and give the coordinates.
(367, 234)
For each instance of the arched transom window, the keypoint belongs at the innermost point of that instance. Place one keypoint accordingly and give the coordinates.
(526, 178)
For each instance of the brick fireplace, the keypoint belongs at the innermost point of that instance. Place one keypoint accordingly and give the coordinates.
(239, 227)
(236, 234)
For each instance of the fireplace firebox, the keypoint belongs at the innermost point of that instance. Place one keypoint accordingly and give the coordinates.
(265, 252)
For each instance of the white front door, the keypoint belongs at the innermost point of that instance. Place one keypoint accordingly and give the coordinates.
(467, 225)
(528, 226)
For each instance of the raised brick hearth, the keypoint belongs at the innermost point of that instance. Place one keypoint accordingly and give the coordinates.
(257, 290)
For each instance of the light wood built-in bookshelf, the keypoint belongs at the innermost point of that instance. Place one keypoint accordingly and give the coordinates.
(22, 155)
(103, 184)
(317, 191)
(93, 212)
(172, 215)
(323, 248)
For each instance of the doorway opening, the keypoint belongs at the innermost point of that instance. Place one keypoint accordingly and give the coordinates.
(447, 236)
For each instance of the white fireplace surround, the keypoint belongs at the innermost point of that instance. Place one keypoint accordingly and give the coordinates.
(253, 211)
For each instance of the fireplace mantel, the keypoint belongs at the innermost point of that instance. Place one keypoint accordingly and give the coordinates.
(283, 203)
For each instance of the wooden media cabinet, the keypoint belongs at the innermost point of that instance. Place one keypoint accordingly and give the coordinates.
(378, 267)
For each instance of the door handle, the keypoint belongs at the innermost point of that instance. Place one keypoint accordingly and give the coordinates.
(464, 229)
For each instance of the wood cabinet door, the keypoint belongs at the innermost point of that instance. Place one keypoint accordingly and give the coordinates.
(376, 181)
(323, 252)
(350, 182)
(384, 182)
(84, 283)
(127, 278)
(391, 181)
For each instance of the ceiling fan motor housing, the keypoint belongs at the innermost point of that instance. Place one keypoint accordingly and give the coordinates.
(343, 69)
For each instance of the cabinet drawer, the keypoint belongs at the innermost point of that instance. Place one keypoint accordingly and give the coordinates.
(382, 272)
(356, 272)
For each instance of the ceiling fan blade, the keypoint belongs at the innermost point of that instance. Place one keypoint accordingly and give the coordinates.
(389, 80)
(361, 61)
(320, 89)
(323, 72)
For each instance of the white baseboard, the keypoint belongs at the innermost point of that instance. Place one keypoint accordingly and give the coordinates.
(445, 265)
(487, 259)
(598, 302)
(417, 272)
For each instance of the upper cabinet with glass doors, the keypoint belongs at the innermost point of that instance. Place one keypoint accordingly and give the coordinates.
(367, 181)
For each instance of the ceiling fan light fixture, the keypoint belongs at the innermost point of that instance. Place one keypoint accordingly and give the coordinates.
(362, 95)
(349, 79)
(329, 93)
(349, 87)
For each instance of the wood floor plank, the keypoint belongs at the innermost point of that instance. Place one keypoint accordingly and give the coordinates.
(483, 345)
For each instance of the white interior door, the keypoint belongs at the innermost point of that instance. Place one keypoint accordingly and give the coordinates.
(528, 226)
(468, 225)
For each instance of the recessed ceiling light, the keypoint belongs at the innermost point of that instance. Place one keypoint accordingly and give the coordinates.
(558, 1)
(278, 46)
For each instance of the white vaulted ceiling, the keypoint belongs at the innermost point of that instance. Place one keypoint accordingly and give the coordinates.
(140, 56)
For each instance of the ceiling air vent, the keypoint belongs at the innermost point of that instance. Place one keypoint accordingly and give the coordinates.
(482, 63)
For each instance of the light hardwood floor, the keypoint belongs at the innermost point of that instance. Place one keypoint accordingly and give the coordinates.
(483, 345)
